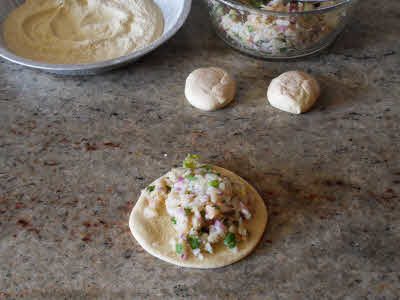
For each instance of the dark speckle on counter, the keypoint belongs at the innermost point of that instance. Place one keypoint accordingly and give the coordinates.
(75, 153)
(181, 291)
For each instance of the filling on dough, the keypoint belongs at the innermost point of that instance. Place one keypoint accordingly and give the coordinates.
(205, 207)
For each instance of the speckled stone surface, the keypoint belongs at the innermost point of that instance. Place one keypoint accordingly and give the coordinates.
(76, 151)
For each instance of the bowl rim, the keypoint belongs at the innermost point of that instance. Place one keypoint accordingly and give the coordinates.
(252, 10)
(109, 63)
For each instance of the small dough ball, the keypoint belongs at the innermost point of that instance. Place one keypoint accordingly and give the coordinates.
(210, 88)
(294, 92)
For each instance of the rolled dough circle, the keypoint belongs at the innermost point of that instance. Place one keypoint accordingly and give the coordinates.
(154, 234)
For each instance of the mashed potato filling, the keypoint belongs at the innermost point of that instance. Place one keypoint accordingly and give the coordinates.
(205, 207)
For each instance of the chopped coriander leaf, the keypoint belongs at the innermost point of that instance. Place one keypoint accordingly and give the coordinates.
(256, 3)
(250, 28)
(207, 167)
(259, 42)
(190, 177)
(173, 220)
(169, 188)
(193, 156)
(214, 183)
(150, 188)
(190, 161)
(216, 206)
(219, 7)
(189, 164)
(230, 240)
(236, 223)
(193, 241)
(178, 248)
(188, 210)
(219, 10)
(203, 213)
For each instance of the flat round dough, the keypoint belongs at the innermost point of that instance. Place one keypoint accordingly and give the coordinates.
(210, 88)
(154, 234)
(294, 92)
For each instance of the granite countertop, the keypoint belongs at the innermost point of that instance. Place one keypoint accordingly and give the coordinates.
(76, 151)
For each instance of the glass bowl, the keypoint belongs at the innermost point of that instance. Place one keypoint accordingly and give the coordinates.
(280, 31)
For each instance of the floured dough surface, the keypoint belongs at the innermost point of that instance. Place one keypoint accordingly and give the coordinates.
(210, 88)
(294, 92)
(154, 234)
(81, 31)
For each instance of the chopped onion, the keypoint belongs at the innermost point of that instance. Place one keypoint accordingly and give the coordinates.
(218, 224)
(245, 211)
(281, 28)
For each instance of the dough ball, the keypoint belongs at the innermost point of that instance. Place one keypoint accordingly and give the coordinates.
(210, 88)
(294, 92)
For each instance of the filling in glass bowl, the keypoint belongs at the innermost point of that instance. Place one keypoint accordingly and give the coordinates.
(299, 27)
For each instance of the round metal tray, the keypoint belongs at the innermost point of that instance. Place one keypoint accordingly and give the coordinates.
(175, 13)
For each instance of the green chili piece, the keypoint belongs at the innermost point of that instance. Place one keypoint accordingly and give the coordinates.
(230, 240)
(190, 177)
(214, 183)
(150, 188)
(193, 241)
(178, 248)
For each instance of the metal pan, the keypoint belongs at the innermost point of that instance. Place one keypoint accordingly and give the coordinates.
(175, 13)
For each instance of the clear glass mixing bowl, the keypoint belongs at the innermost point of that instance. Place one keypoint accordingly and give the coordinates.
(273, 33)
